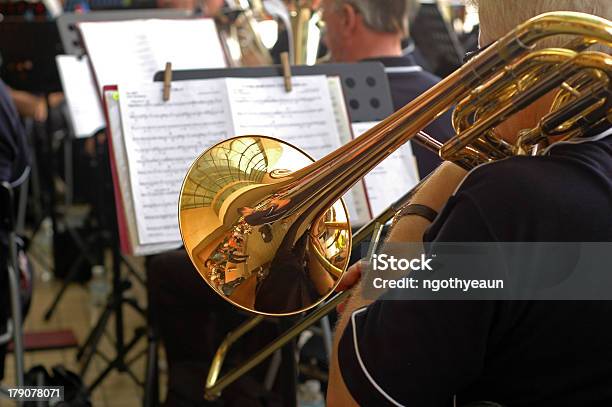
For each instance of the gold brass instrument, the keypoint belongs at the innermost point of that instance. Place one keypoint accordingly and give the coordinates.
(301, 13)
(256, 214)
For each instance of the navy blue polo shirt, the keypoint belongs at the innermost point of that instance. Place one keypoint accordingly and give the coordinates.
(13, 147)
(407, 81)
(516, 353)
(13, 161)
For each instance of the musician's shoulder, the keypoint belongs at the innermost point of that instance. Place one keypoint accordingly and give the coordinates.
(511, 173)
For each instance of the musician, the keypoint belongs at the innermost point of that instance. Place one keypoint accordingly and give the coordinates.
(13, 148)
(516, 353)
(372, 30)
(14, 159)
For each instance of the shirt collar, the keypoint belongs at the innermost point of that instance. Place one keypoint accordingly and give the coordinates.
(389, 62)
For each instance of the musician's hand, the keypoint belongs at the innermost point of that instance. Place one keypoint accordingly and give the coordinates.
(349, 280)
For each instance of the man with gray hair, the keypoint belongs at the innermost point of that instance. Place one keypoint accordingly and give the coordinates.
(373, 30)
(532, 352)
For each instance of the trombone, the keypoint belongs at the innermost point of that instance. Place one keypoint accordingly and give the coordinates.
(256, 213)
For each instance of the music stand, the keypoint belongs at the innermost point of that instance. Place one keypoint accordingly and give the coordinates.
(72, 45)
(365, 84)
(66, 23)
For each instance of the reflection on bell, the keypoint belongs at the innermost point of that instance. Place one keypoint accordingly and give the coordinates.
(248, 241)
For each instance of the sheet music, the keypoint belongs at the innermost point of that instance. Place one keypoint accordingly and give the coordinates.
(162, 139)
(392, 178)
(356, 198)
(82, 99)
(132, 51)
(303, 117)
(119, 161)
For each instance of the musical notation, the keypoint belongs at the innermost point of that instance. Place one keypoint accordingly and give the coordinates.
(162, 139)
(303, 117)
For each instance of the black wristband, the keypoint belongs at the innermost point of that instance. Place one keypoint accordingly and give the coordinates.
(416, 209)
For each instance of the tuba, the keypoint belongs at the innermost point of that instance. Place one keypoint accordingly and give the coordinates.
(266, 227)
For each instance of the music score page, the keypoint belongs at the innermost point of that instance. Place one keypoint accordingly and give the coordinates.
(134, 50)
(392, 178)
(162, 139)
(86, 116)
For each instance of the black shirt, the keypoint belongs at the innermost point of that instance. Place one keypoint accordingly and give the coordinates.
(517, 353)
(407, 81)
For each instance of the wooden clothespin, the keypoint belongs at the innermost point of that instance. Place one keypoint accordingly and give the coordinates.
(286, 71)
(167, 81)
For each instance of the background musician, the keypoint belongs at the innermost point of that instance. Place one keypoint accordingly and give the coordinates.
(370, 30)
(14, 158)
(516, 353)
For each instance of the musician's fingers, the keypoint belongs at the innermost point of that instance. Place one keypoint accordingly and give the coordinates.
(351, 277)
(341, 307)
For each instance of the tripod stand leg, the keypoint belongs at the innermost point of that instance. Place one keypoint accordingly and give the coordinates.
(69, 279)
(151, 390)
(134, 305)
(132, 270)
(91, 343)
(118, 362)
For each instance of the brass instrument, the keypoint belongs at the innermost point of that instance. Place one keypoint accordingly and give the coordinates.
(242, 39)
(301, 13)
(254, 212)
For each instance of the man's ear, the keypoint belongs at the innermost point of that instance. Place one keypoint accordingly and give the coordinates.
(349, 18)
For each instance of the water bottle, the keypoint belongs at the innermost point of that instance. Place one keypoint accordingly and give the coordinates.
(98, 286)
(310, 395)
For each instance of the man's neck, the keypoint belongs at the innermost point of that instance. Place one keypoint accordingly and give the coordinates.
(373, 45)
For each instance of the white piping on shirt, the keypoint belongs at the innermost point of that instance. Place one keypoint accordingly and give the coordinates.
(24, 175)
(365, 371)
(580, 140)
(403, 69)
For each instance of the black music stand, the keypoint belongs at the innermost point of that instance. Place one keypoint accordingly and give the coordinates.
(71, 40)
(72, 45)
(368, 99)
(365, 84)
(114, 306)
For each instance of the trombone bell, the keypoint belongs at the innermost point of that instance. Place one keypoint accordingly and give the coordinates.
(273, 268)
